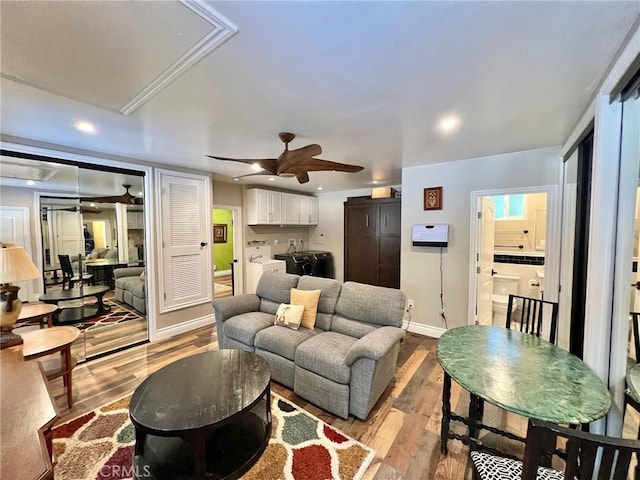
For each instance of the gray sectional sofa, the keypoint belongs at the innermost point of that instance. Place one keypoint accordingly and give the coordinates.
(345, 363)
(130, 288)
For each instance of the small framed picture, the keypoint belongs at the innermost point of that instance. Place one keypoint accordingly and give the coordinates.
(219, 233)
(433, 198)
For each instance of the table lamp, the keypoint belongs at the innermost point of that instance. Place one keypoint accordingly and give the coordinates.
(15, 266)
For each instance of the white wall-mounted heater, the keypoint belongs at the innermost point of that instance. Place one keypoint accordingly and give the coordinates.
(430, 235)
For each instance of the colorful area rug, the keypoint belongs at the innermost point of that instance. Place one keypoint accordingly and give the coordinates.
(99, 445)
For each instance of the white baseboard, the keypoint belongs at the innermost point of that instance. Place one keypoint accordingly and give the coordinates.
(184, 327)
(221, 273)
(422, 329)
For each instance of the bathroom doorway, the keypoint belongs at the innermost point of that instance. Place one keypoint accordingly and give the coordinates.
(511, 250)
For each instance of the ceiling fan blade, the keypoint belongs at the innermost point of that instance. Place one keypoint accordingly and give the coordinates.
(290, 158)
(263, 172)
(269, 164)
(126, 197)
(303, 177)
(318, 165)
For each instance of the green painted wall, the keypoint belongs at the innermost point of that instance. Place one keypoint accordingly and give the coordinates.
(223, 252)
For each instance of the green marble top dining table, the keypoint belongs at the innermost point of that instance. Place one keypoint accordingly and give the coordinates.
(523, 374)
(633, 382)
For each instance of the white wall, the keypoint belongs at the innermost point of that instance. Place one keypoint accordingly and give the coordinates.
(420, 266)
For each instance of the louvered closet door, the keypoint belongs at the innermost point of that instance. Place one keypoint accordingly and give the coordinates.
(186, 239)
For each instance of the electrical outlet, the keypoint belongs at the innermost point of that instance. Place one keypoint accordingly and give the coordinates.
(276, 242)
(410, 304)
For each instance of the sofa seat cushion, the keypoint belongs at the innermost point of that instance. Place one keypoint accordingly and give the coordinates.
(324, 355)
(282, 341)
(244, 327)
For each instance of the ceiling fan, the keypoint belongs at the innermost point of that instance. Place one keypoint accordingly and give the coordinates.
(294, 163)
(124, 198)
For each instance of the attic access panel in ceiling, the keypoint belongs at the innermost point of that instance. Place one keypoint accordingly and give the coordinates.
(151, 44)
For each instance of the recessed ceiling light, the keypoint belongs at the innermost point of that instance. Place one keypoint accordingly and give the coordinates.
(256, 166)
(375, 182)
(140, 193)
(236, 179)
(272, 179)
(30, 182)
(449, 124)
(319, 188)
(85, 127)
(92, 204)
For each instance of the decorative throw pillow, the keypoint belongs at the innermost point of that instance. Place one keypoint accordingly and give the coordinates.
(142, 275)
(289, 316)
(308, 298)
(94, 255)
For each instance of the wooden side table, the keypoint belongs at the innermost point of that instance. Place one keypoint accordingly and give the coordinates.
(38, 312)
(39, 343)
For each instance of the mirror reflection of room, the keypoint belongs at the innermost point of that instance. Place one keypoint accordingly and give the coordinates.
(91, 237)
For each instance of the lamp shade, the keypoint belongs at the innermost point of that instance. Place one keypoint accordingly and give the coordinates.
(15, 265)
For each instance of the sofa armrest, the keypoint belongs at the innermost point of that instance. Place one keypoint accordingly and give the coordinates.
(374, 345)
(127, 272)
(228, 307)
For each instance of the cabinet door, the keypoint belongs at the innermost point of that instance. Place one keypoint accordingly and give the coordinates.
(308, 210)
(389, 242)
(290, 209)
(275, 207)
(361, 243)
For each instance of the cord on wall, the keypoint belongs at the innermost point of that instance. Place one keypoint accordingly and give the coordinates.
(442, 314)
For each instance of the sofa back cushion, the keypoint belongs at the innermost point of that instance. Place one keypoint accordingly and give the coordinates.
(371, 304)
(274, 289)
(328, 298)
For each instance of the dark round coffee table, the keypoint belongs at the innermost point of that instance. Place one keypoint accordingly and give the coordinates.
(205, 416)
(77, 313)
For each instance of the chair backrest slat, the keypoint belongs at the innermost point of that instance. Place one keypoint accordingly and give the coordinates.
(533, 314)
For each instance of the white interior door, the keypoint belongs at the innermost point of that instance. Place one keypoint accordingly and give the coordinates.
(14, 228)
(69, 235)
(185, 224)
(484, 259)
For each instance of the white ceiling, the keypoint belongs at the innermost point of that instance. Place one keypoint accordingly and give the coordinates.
(368, 81)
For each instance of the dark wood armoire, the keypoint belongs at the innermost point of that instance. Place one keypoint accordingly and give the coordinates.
(372, 241)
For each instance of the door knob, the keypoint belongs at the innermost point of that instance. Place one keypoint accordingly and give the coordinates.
(493, 272)
(637, 285)
(203, 244)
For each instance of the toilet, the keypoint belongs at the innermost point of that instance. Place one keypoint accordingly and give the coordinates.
(503, 286)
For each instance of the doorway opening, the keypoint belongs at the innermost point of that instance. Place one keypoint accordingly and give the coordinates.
(227, 249)
(511, 250)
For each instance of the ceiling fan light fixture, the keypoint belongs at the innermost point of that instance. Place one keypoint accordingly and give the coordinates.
(256, 166)
(286, 175)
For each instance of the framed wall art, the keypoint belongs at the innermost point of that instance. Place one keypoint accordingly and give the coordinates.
(433, 198)
(219, 233)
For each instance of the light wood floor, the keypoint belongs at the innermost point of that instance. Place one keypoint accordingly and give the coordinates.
(403, 427)
(223, 280)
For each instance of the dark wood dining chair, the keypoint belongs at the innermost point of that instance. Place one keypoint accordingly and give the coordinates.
(533, 312)
(628, 398)
(69, 278)
(588, 456)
